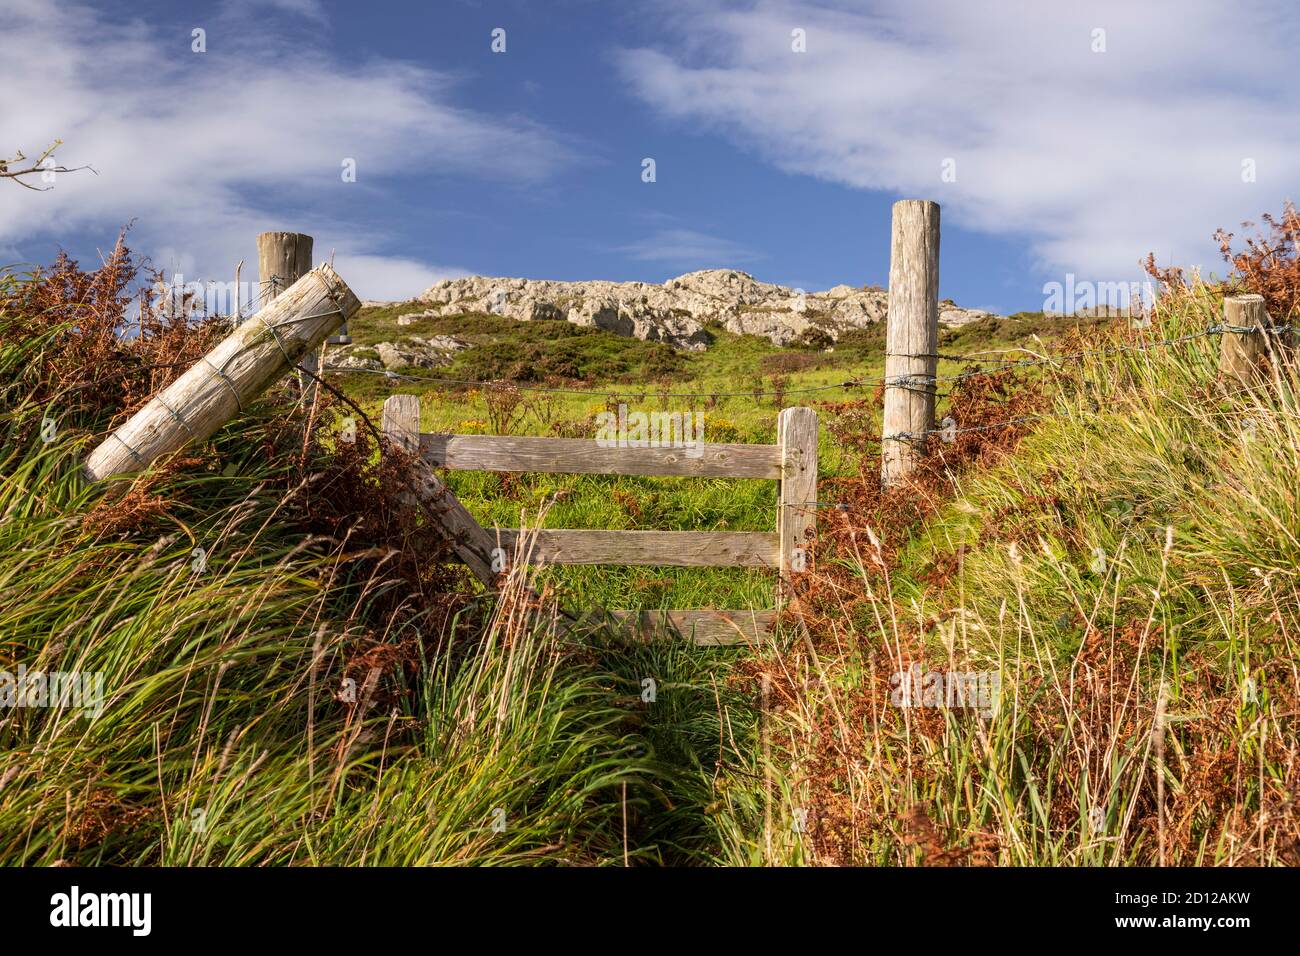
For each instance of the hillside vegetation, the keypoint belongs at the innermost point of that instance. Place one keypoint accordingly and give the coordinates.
(556, 378)
(294, 675)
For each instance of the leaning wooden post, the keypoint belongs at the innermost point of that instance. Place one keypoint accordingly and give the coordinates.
(911, 336)
(470, 540)
(226, 380)
(796, 433)
(282, 259)
(1242, 355)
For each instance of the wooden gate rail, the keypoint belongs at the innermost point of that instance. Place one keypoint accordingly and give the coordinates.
(679, 549)
(584, 456)
(792, 461)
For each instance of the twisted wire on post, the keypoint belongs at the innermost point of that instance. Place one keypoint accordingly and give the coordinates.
(175, 415)
(221, 374)
(125, 444)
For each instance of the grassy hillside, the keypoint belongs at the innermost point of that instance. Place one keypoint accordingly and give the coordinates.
(293, 675)
(289, 674)
(562, 376)
(1128, 571)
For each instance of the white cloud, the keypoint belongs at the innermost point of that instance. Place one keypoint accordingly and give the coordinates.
(312, 10)
(688, 248)
(400, 278)
(1097, 158)
(204, 150)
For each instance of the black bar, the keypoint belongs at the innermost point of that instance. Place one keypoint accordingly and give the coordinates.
(364, 909)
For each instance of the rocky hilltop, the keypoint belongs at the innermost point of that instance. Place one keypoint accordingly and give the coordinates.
(677, 311)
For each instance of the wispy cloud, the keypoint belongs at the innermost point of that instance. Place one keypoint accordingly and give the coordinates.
(688, 249)
(313, 10)
(402, 278)
(203, 150)
(1096, 157)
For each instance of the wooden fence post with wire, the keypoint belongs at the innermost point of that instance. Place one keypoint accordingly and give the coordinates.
(911, 336)
(792, 462)
(282, 259)
(1245, 355)
(222, 383)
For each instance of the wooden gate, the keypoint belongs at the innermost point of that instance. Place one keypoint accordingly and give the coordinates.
(792, 462)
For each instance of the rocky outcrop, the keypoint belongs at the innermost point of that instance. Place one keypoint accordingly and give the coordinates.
(411, 352)
(678, 311)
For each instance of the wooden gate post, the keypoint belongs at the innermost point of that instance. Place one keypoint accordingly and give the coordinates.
(911, 335)
(282, 259)
(222, 383)
(1242, 354)
(796, 433)
(470, 540)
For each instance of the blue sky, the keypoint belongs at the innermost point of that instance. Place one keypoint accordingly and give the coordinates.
(1073, 150)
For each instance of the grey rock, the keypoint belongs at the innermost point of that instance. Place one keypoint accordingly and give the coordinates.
(677, 311)
(440, 343)
(410, 318)
(337, 360)
(413, 353)
(390, 355)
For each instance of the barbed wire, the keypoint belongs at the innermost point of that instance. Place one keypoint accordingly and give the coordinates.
(912, 436)
(1006, 364)
(846, 507)
(1212, 330)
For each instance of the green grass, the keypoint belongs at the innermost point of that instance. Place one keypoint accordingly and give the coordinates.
(223, 739)
(228, 736)
(602, 369)
(1130, 573)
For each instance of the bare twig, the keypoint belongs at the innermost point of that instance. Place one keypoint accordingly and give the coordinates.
(18, 166)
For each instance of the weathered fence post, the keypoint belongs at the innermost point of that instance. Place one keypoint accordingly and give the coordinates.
(911, 335)
(235, 372)
(1242, 354)
(796, 433)
(470, 540)
(401, 426)
(282, 259)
